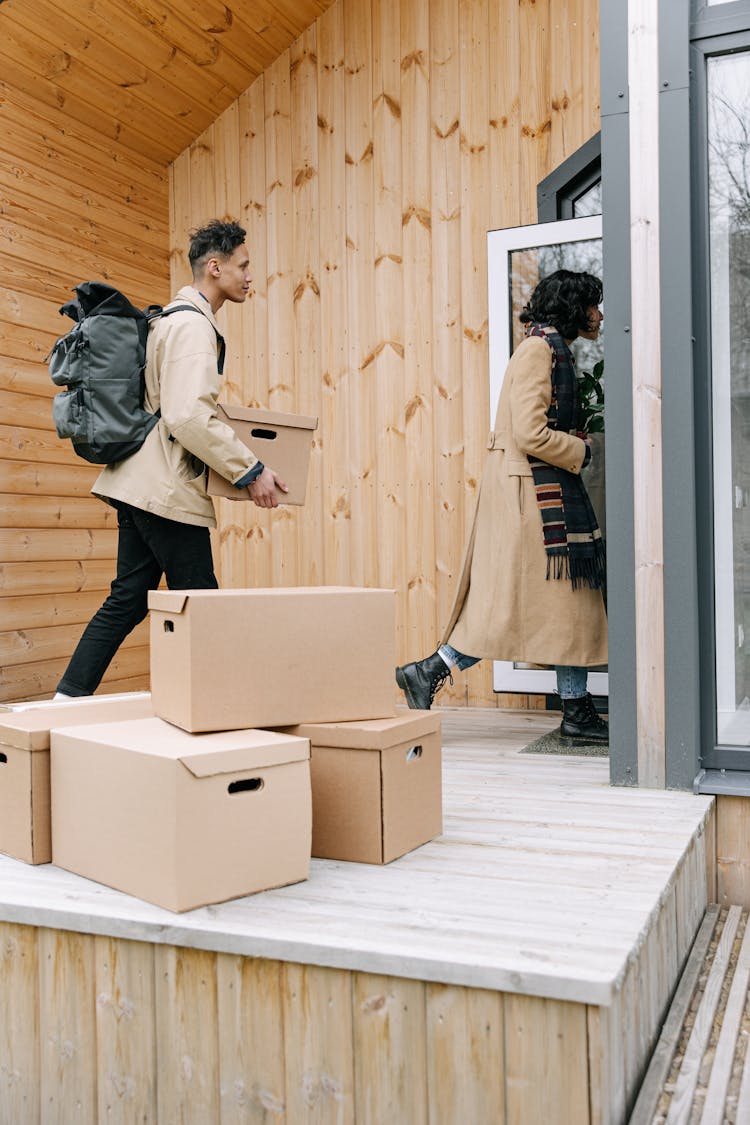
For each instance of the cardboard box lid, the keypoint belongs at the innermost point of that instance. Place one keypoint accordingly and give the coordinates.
(30, 730)
(270, 417)
(204, 755)
(175, 601)
(370, 734)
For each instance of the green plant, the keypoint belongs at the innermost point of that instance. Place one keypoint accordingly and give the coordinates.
(591, 400)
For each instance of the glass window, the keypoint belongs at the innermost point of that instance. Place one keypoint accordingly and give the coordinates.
(728, 86)
(589, 202)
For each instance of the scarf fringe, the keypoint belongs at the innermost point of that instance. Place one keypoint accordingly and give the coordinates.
(579, 572)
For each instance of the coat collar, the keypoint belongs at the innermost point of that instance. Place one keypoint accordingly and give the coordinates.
(191, 296)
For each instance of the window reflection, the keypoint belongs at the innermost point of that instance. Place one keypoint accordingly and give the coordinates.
(588, 202)
(729, 227)
(527, 268)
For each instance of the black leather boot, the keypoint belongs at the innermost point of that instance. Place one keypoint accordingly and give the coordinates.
(581, 721)
(422, 680)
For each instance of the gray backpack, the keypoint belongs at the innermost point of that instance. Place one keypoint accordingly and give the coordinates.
(102, 360)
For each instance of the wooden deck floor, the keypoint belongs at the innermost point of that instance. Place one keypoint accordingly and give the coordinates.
(544, 881)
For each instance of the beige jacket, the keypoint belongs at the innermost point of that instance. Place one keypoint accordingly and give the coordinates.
(505, 608)
(167, 475)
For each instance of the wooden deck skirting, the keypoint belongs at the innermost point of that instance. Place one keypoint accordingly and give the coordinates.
(700, 1070)
(514, 971)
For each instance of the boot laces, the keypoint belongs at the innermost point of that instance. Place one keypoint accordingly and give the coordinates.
(438, 680)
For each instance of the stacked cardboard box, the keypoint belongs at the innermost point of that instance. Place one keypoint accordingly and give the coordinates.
(25, 736)
(193, 799)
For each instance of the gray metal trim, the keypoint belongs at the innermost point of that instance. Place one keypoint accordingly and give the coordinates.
(681, 632)
(582, 169)
(731, 783)
(720, 19)
(623, 741)
(703, 405)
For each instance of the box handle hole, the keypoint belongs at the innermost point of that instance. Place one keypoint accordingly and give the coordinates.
(413, 753)
(169, 626)
(247, 785)
(3, 758)
(269, 435)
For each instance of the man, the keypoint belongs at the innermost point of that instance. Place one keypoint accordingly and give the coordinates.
(163, 509)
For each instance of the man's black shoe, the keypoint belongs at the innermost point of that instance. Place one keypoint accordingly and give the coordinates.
(581, 721)
(422, 679)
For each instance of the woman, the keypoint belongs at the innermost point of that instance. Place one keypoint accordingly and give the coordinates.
(533, 576)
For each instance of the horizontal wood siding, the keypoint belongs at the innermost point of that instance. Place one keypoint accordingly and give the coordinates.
(74, 206)
(373, 157)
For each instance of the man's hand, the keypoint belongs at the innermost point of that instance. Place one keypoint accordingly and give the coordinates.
(263, 489)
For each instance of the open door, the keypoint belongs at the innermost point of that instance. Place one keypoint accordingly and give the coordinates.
(518, 258)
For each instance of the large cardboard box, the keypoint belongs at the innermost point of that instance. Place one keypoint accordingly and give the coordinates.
(280, 441)
(377, 786)
(181, 820)
(24, 765)
(227, 659)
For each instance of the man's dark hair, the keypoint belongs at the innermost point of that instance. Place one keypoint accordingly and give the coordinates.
(563, 299)
(216, 237)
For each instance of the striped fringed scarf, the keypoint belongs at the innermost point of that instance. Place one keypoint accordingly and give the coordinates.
(572, 539)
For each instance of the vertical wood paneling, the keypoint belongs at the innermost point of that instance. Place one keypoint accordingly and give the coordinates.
(306, 286)
(434, 122)
(20, 1076)
(566, 78)
(318, 1039)
(360, 259)
(447, 394)
(394, 510)
(163, 1033)
(418, 373)
(187, 1048)
(475, 222)
(334, 303)
(231, 514)
(280, 292)
(67, 1027)
(544, 1037)
(465, 1036)
(251, 1040)
(125, 1031)
(391, 1080)
(535, 109)
(255, 320)
(732, 851)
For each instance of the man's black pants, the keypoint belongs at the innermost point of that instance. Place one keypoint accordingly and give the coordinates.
(148, 547)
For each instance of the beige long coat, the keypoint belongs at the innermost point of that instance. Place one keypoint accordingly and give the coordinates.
(167, 475)
(505, 608)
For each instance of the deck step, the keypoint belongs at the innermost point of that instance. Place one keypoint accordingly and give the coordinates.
(700, 1069)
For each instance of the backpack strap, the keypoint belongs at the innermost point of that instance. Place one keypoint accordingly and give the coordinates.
(158, 311)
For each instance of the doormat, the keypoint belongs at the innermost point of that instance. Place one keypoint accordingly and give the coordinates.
(555, 743)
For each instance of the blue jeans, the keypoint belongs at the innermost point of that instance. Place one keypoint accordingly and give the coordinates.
(571, 681)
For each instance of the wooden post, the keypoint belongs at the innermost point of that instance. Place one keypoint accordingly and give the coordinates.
(646, 335)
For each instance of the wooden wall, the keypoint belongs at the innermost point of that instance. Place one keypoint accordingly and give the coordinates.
(127, 1031)
(367, 164)
(74, 205)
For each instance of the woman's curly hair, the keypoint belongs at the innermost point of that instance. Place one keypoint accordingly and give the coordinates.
(563, 299)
